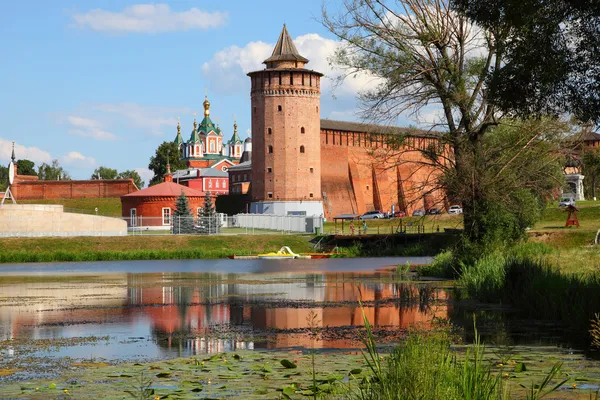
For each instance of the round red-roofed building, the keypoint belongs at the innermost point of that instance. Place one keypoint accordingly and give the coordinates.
(153, 207)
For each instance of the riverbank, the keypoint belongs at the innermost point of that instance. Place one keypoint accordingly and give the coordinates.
(17, 250)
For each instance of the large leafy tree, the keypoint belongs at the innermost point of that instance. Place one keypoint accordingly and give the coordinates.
(158, 162)
(104, 173)
(3, 178)
(550, 58)
(423, 53)
(26, 167)
(132, 174)
(52, 172)
(590, 160)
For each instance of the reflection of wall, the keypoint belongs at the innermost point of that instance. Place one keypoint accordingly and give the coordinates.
(41, 309)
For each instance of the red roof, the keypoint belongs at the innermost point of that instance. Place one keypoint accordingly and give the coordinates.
(166, 189)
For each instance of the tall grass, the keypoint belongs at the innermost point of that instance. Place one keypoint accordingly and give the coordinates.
(443, 266)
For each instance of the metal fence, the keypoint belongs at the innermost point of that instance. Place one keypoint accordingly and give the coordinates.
(222, 224)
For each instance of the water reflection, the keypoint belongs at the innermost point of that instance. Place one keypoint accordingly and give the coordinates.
(154, 315)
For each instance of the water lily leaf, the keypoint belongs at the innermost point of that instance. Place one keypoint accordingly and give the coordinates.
(289, 390)
(237, 357)
(196, 390)
(163, 375)
(520, 367)
(288, 364)
(355, 371)
(52, 386)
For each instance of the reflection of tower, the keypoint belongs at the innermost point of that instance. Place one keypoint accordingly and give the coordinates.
(286, 165)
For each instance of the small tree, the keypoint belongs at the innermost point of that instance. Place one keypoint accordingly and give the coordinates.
(208, 217)
(26, 167)
(183, 221)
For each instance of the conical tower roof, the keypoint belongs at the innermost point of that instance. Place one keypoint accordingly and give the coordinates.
(285, 50)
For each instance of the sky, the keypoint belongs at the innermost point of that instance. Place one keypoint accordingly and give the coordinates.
(102, 82)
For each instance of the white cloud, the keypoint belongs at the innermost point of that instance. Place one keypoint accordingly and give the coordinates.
(151, 119)
(149, 18)
(22, 152)
(228, 68)
(145, 174)
(77, 160)
(88, 128)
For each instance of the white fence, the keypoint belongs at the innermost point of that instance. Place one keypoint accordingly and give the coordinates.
(221, 224)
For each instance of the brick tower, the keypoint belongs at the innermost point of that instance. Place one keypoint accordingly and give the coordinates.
(286, 160)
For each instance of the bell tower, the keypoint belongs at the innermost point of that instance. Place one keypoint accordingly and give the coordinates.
(286, 160)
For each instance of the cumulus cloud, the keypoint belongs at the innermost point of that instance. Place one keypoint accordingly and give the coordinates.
(149, 18)
(88, 128)
(227, 69)
(145, 174)
(77, 160)
(22, 152)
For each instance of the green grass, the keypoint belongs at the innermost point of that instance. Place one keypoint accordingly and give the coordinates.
(144, 247)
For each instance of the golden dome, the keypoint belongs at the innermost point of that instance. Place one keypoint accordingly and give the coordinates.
(206, 107)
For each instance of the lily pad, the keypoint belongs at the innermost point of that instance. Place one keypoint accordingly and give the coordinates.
(288, 364)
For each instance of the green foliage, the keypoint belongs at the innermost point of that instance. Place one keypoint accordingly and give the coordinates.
(158, 162)
(104, 173)
(52, 172)
(208, 221)
(443, 266)
(486, 278)
(26, 167)
(132, 174)
(590, 159)
(3, 178)
(183, 220)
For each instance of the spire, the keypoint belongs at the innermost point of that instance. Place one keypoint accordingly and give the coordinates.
(285, 50)
(235, 138)
(168, 165)
(195, 123)
(178, 138)
(12, 157)
(206, 107)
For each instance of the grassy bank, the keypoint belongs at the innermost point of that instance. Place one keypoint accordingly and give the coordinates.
(110, 207)
(16, 250)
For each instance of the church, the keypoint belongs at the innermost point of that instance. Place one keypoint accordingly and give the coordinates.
(207, 156)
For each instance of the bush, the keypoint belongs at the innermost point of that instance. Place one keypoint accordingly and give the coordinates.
(443, 266)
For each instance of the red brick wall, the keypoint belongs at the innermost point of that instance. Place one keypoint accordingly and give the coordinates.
(39, 190)
(151, 207)
(298, 95)
(356, 180)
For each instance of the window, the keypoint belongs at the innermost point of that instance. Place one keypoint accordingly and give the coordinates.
(317, 109)
(367, 187)
(280, 78)
(312, 170)
(269, 131)
(166, 216)
(245, 177)
(269, 169)
(254, 110)
(212, 146)
(224, 185)
(232, 178)
(302, 149)
(199, 211)
(132, 216)
(279, 108)
(270, 195)
(218, 184)
(292, 79)
(270, 149)
(302, 130)
(310, 195)
(210, 183)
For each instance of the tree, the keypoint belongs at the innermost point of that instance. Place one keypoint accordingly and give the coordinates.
(3, 178)
(550, 55)
(424, 53)
(590, 160)
(26, 167)
(158, 162)
(131, 174)
(104, 173)
(183, 221)
(52, 172)
(208, 219)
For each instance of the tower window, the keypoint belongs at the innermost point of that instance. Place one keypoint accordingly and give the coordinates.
(303, 79)
(367, 187)
(310, 195)
(279, 108)
(254, 110)
(270, 195)
(280, 78)
(270, 149)
(269, 131)
(269, 169)
(302, 149)
(317, 109)
(291, 79)
(312, 170)
(302, 130)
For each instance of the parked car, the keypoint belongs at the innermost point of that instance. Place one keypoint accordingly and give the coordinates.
(372, 215)
(434, 211)
(566, 202)
(399, 214)
(418, 213)
(455, 210)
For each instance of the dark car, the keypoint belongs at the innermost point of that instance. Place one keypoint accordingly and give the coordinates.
(418, 213)
(434, 211)
(399, 214)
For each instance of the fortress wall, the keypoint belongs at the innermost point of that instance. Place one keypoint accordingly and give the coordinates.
(359, 175)
(29, 220)
(38, 190)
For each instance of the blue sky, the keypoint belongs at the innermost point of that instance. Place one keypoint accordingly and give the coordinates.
(102, 82)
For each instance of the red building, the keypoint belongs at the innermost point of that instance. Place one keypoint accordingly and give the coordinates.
(153, 207)
(210, 180)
